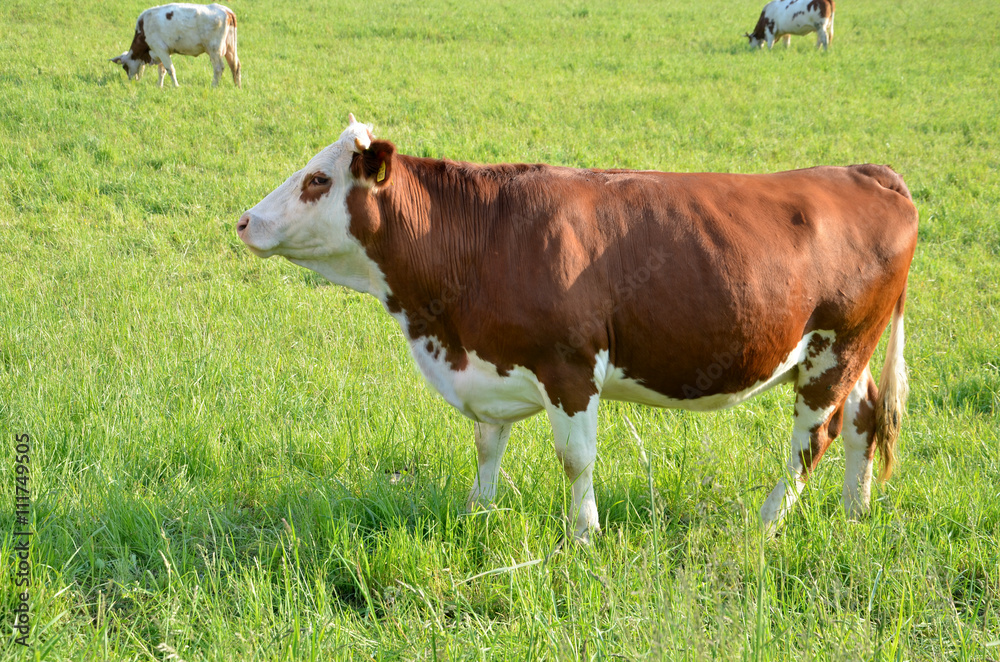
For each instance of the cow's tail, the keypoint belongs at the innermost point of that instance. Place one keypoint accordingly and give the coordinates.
(232, 56)
(892, 391)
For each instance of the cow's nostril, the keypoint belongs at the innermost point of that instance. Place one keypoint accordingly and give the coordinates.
(242, 224)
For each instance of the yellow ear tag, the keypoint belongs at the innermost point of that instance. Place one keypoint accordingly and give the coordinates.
(381, 172)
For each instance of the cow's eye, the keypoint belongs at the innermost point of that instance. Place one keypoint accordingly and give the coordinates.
(319, 180)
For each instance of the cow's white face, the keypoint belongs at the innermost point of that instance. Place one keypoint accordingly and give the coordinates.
(132, 67)
(306, 218)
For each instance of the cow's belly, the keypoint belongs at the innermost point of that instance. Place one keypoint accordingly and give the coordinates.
(619, 387)
(478, 390)
(482, 394)
(187, 47)
(799, 26)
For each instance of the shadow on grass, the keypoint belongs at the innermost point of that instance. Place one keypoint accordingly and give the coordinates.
(113, 76)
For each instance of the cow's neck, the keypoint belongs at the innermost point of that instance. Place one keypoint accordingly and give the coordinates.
(353, 270)
(427, 232)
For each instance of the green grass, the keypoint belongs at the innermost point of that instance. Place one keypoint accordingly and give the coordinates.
(217, 438)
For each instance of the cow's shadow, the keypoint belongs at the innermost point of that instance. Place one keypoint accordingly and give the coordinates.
(110, 77)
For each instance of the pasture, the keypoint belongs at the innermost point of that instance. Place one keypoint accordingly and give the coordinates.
(232, 459)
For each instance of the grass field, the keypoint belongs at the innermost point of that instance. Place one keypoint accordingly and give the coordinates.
(234, 460)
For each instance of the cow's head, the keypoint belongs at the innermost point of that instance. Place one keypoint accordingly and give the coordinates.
(765, 25)
(132, 66)
(755, 41)
(306, 219)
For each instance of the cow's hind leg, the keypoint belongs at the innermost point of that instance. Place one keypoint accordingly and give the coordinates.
(575, 439)
(491, 442)
(859, 445)
(821, 388)
(218, 66)
(234, 66)
(812, 433)
(822, 36)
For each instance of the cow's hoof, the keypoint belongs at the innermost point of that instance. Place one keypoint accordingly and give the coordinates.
(771, 529)
(473, 506)
(586, 535)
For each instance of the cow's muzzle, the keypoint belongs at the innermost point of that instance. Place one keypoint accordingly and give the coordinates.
(247, 227)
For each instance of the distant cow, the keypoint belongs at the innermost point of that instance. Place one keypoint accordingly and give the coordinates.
(528, 288)
(783, 18)
(186, 30)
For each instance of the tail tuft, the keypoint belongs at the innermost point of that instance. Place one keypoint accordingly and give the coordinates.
(893, 390)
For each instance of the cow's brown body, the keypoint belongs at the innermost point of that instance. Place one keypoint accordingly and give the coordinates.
(682, 290)
(664, 271)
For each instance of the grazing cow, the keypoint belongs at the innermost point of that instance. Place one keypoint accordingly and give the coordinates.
(187, 30)
(528, 288)
(783, 18)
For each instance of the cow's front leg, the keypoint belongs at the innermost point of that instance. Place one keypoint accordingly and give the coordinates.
(491, 442)
(787, 40)
(163, 72)
(575, 438)
(165, 61)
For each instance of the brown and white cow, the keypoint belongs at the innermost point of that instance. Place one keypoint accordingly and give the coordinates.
(781, 19)
(528, 288)
(186, 30)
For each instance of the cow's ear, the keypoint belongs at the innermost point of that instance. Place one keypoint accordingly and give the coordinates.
(116, 60)
(374, 165)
